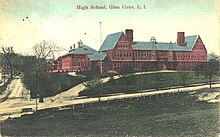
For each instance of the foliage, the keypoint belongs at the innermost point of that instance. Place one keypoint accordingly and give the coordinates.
(35, 78)
(93, 85)
(32, 70)
(208, 70)
(41, 83)
(91, 74)
(182, 78)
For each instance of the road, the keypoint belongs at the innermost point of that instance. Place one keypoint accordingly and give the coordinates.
(60, 103)
(16, 97)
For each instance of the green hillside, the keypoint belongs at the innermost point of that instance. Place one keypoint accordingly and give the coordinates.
(133, 83)
(176, 115)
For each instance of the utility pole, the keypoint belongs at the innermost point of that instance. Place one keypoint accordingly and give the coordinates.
(100, 32)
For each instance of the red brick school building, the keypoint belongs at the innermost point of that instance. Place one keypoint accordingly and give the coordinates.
(119, 51)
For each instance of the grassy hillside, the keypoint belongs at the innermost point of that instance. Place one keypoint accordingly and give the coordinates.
(177, 115)
(133, 83)
(59, 82)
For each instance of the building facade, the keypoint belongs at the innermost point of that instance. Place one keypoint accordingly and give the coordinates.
(119, 51)
(77, 59)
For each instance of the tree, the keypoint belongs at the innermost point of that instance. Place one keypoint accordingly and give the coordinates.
(45, 49)
(181, 78)
(95, 86)
(35, 75)
(33, 68)
(208, 69)
(91, 74)
(8, 52)
(42, 51)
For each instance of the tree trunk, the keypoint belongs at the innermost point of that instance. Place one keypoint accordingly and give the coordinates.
(6, 54)
(41, 99)
(11, 73)
(10, 67)
(210, 82)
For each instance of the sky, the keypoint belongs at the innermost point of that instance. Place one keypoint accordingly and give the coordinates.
(23, 23)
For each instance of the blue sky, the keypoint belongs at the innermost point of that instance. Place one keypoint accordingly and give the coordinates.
(60, 21)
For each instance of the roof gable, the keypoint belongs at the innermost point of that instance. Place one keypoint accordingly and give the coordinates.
(199, 44)
(190, 41)
(98, 56)
(110, 41)
(123, 43)
(84, 49)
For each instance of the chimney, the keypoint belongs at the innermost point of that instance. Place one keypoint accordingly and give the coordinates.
(181, 38)
(72, 48)
(129, 35)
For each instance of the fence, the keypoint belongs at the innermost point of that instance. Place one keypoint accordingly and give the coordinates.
(109, 100)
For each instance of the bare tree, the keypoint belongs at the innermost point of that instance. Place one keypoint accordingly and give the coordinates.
(7, 52)
(42, 51)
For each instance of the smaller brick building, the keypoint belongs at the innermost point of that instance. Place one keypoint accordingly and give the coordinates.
(77, 59)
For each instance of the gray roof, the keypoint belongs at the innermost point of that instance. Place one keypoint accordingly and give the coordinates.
(110, 41)
(190, 42)
(98, 56)
(84, 49)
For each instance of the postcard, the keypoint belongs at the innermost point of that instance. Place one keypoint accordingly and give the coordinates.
(109, 68)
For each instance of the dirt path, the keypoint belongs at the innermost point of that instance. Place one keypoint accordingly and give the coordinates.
(15, 90)
(14, 98)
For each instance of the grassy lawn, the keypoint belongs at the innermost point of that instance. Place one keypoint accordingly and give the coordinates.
(176, 115)
(133, 83)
